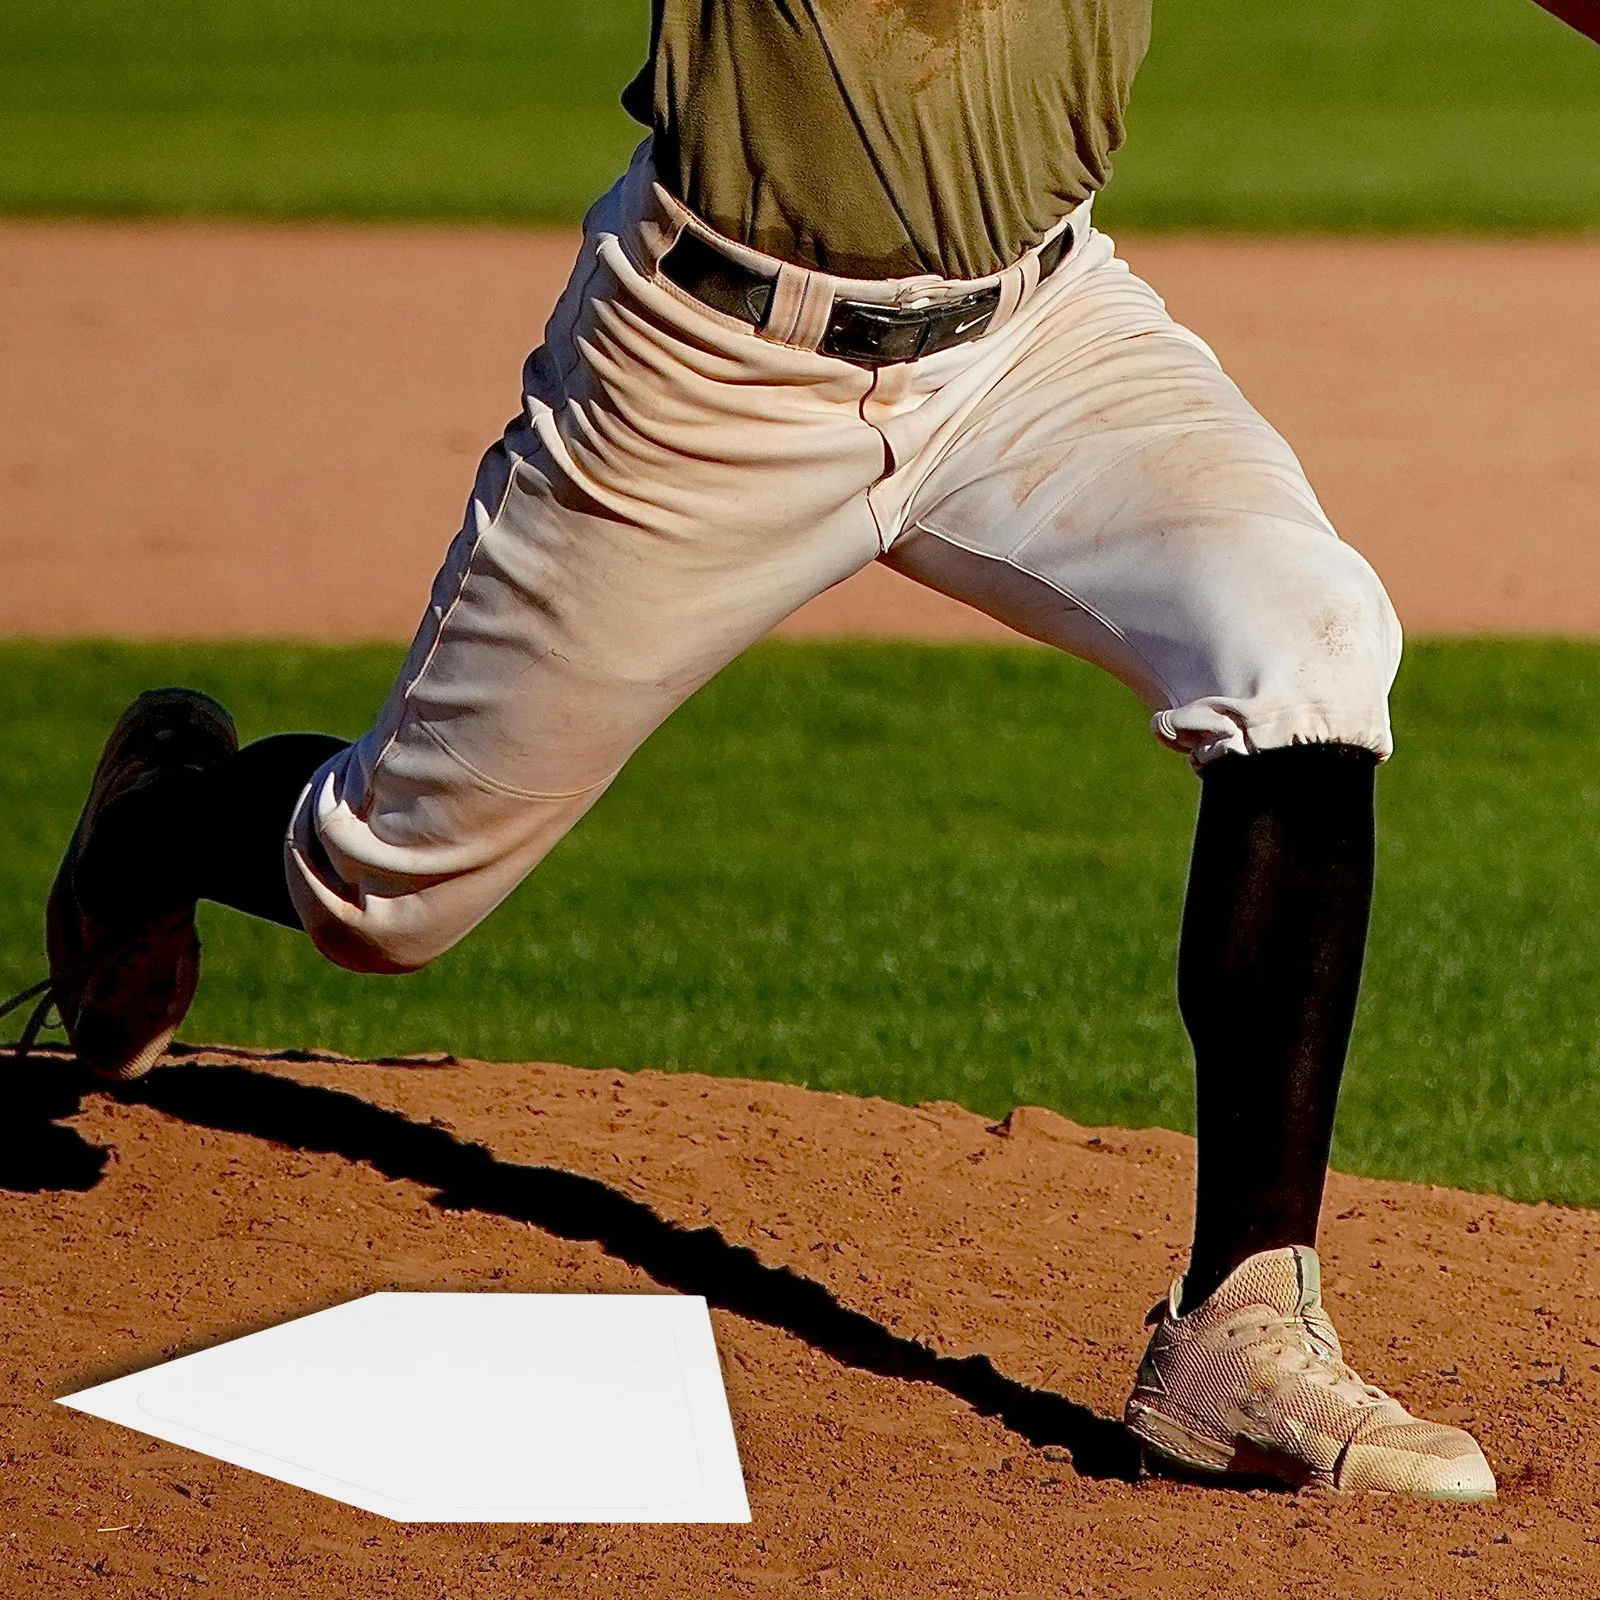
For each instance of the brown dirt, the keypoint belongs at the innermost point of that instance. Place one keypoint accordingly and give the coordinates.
(925, 1322)
(215, 431)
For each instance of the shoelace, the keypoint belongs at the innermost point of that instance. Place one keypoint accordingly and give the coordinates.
(46, 992)
(38, 1018)
(1312, 1348)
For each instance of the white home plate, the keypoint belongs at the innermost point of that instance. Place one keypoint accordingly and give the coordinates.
(465, 1408)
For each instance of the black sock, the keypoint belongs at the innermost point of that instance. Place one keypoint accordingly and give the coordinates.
(250, 799)
(1274, 931)
(211, 835)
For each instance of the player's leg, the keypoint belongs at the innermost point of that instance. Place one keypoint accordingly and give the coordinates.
(520, 702)
(1114, 495)
(673, 488)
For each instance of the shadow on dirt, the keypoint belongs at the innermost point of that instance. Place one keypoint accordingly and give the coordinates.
(36, 1152)
(694, 1261)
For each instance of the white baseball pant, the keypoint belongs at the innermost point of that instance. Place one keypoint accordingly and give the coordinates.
(677, 483)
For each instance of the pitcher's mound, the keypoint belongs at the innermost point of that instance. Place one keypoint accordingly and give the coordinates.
(928, 1324)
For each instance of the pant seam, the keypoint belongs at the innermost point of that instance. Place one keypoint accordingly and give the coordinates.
(890, 465)
(497, 784)
(1066, 594)
(580, 298)
(444, 621)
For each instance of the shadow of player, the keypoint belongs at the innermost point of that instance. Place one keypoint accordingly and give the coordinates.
(36, 1152)
(466, 1177)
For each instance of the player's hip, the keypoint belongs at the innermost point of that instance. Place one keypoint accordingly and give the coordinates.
(643, 387)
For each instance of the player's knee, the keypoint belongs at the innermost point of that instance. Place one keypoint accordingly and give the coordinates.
(388, 934)
(1336, 686)
(379, 928)
(1310, 662)
(370, 904)
(1349, 633)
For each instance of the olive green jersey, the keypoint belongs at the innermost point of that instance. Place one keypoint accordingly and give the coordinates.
(882, 138)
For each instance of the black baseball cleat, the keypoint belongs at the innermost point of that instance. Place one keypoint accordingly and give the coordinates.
(119, 925)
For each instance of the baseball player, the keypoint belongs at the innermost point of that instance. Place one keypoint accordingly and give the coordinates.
(847, 305)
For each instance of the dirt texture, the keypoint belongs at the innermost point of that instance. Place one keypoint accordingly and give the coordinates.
(927, 1323)
(228, 430)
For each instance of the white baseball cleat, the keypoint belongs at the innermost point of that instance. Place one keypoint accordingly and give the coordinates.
(1253, 1382)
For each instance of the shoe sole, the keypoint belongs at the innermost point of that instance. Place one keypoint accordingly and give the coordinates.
(140, 1063)
(1172, 1442)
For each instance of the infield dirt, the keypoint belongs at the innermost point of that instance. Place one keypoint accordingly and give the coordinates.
(927, 1324)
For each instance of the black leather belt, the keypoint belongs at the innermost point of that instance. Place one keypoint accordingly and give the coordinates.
(869, 335)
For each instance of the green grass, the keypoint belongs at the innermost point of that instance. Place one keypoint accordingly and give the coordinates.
(1474, 114)
(1362, 115)
(937, 872)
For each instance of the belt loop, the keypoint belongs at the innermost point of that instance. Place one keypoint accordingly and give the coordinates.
(816, 307)
(1013, 289)
(1028, 266)
(657, 229)
(802, 302)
